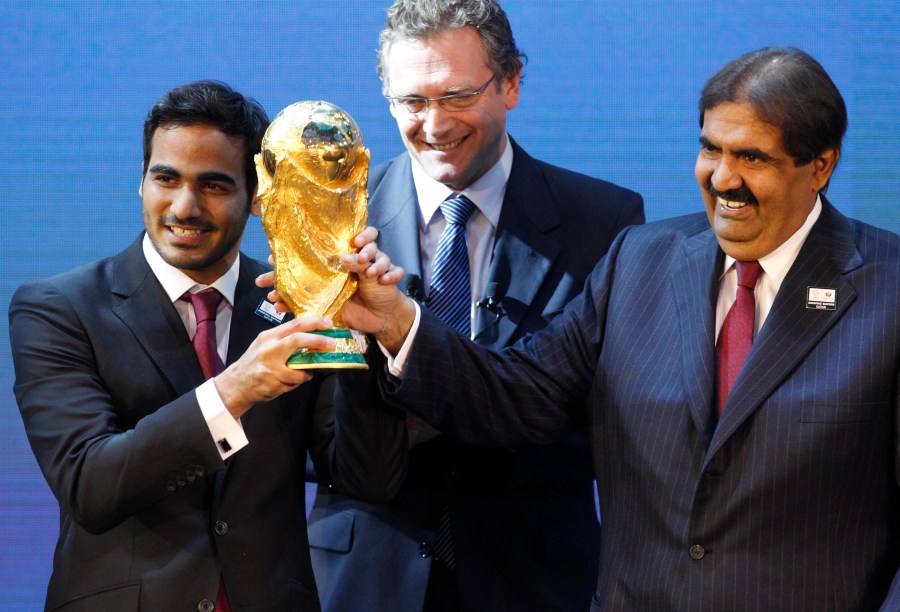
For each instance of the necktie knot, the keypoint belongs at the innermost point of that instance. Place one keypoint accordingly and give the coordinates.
(457, 210)
(205, 303)
(748, 273)
(450, 296)
(736, 335)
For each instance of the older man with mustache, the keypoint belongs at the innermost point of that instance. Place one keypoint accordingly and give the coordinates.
(740, 372)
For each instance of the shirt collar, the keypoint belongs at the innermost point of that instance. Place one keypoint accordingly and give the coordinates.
(486, 193)
(777, 263)
(175, 282)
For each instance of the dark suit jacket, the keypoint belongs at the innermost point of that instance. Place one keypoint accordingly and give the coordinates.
(150, 514)
(790, 502)
(524, 519)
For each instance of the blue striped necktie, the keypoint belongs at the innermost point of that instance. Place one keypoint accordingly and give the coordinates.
(450, 298)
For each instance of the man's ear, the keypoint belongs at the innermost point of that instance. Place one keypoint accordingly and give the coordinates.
(823, 166)
(256, 206)
(510, 90)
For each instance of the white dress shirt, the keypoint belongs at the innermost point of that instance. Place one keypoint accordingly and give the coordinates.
(481, 229)
(487, 194)
(222, 426)
(775, 267)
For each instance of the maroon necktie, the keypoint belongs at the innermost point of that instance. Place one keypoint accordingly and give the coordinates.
(736, 335)
(205, 305)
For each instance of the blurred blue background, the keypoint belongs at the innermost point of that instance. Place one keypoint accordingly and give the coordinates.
(610, 90)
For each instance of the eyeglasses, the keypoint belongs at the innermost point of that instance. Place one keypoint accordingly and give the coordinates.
(454, 103)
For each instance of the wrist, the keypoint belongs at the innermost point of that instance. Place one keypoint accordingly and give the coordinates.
(396, 326)
(231, 398)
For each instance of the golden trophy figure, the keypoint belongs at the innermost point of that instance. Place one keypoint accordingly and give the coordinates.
(312, 173)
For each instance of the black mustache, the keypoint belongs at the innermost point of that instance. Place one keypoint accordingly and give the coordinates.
(191, 222)
(742, 194)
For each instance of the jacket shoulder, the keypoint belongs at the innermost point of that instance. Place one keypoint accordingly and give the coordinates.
(379, 171)
(566, 180)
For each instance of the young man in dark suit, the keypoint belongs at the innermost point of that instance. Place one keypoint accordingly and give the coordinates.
(174, 493)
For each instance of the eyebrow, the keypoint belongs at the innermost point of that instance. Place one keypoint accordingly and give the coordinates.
(461, 89)
(450, 91)
(707, 144)
(758, 153)
(163, 169)
(218, 177)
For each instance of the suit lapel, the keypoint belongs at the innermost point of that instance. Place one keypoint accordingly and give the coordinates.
(792, 330)
(694, 286)
(246, 325)
(146, 310)
(523, 250)
(394, 210)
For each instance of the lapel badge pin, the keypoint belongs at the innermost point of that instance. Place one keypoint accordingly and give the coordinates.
(266, 310)
(820, 299)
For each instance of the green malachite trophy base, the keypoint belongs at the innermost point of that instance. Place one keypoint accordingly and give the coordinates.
(346, 355)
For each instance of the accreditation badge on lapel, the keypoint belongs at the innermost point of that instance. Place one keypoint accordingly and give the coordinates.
(820, 299)
(266, 310)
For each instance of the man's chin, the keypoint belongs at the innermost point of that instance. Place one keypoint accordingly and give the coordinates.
(185, 260)
(447, 174)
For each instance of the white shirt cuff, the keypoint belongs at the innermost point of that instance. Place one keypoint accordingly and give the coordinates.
(226, 431)
(396, 365)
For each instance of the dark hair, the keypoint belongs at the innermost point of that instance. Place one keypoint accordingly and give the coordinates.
(423, 19)
(215, 104)
(788, 89)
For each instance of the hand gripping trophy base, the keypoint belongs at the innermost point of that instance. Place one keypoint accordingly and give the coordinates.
(346, 354)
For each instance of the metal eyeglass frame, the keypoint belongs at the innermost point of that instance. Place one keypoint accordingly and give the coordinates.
(398, 101)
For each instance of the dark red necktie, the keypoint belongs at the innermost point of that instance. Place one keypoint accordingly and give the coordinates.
(205, 305)
(736, 335)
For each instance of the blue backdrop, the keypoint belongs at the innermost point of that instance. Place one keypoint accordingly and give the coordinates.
(610, 90)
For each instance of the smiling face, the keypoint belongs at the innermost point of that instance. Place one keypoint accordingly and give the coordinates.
(454, 148)
(755, 195)
(195, 199)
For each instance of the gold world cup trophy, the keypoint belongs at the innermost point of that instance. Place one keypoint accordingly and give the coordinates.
(312, 173)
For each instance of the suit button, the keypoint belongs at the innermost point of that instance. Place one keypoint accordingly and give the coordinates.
(190, 476)
(221, 527)
(180, 480)
(697, 552)
(171, 486)
(206, 606)
(200, 471)
(425, 549)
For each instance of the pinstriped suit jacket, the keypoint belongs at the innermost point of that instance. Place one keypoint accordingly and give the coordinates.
(790, 502)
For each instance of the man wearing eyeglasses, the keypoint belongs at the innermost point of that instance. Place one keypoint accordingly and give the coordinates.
(471, 528)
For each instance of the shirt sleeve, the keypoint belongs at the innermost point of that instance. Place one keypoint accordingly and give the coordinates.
(226, 431)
